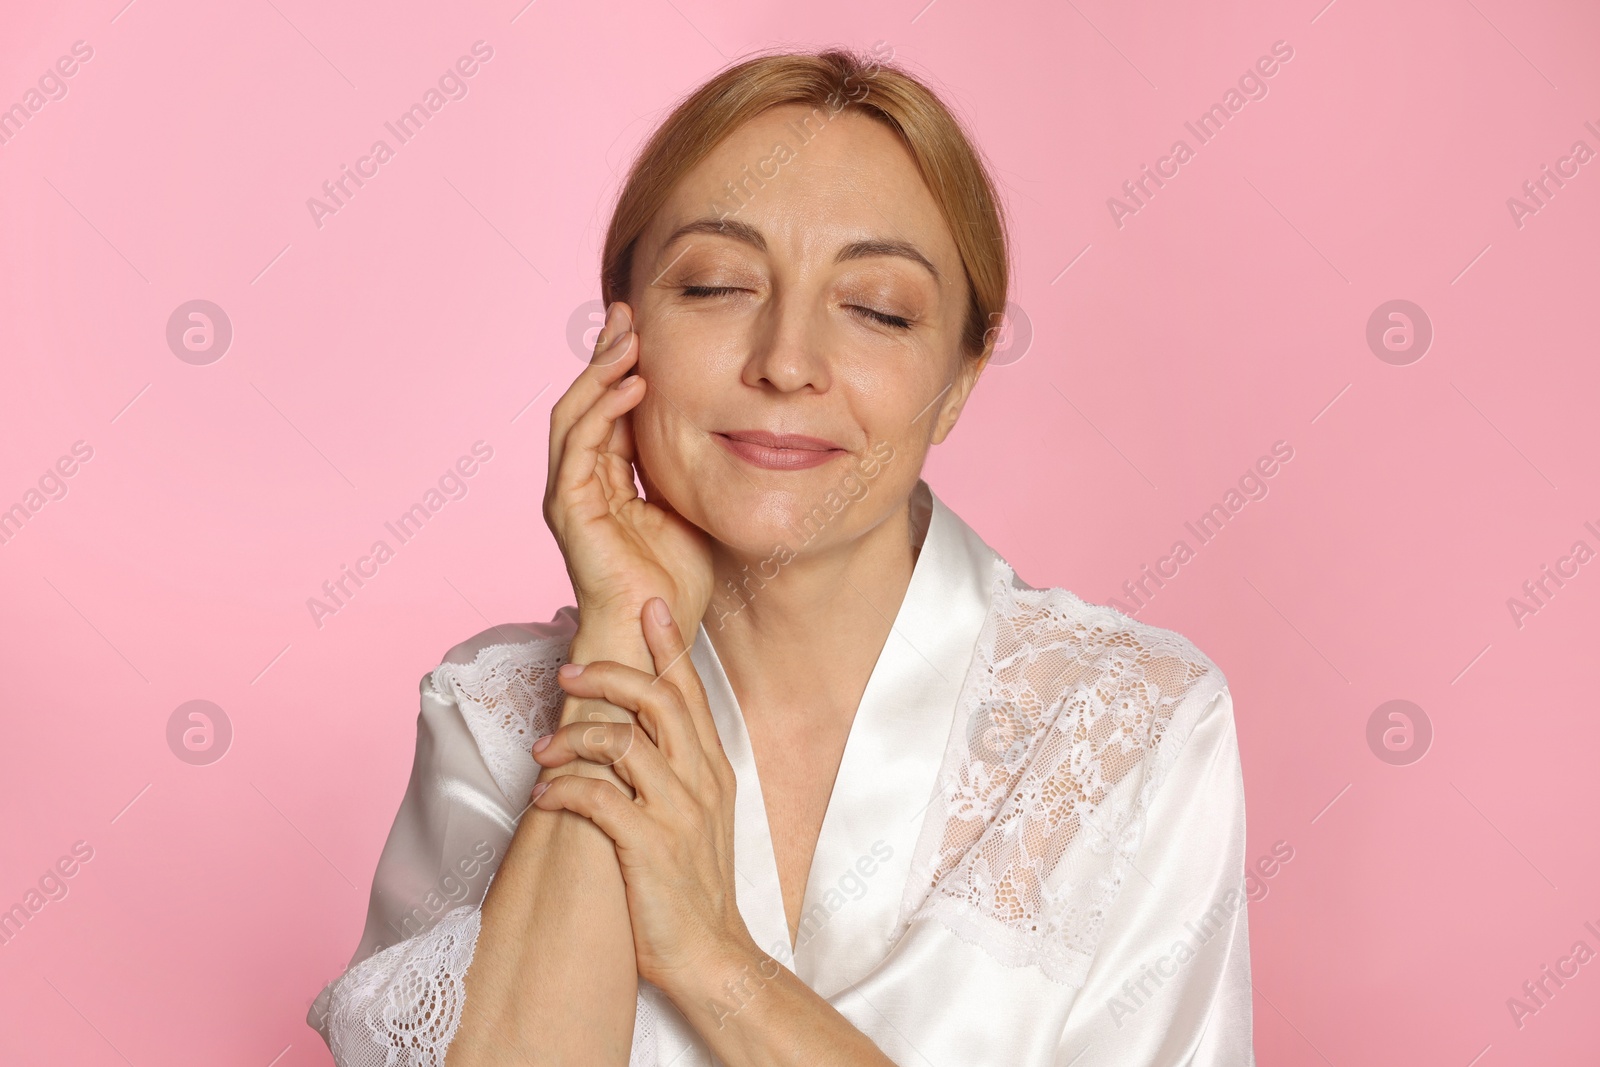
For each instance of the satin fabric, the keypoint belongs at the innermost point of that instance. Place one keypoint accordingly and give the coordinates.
(1169, 982)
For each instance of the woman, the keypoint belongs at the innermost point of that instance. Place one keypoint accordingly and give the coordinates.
(808, 776)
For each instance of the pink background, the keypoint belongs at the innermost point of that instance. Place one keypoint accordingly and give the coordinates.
(1167, 356)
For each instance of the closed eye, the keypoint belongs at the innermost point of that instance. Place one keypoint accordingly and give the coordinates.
(896, 322)
(893, 321)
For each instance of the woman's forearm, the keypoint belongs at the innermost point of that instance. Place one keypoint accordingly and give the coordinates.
(553, 978)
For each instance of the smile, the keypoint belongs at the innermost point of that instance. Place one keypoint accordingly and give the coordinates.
(780, 452)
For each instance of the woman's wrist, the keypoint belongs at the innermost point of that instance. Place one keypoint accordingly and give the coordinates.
(600, 637)
(606, 637)
(717, 988)
(610, 634)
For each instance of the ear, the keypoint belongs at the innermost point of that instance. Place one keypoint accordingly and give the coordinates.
(956, 397)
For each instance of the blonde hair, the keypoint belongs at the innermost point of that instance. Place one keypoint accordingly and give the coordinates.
(838, 80)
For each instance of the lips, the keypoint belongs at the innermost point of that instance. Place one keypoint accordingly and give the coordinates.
(778, 451)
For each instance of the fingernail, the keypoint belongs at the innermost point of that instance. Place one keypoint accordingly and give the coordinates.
(660, 612)
(570, 670)
(627, 383)
(541, 744)
(539, 789)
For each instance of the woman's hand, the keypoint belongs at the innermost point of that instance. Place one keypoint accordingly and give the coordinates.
(674, 839)
(619, 548)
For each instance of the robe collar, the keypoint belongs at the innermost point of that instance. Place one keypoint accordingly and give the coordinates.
(887, 776)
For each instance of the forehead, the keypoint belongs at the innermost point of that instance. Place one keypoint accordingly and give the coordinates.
(810, 182)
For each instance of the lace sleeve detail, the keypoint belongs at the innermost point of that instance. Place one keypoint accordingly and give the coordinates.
(1068, 721)
(400, 1007)
(509, 696)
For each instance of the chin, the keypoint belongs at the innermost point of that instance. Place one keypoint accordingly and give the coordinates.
(753, 521)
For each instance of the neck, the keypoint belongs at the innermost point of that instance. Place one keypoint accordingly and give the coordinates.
(801, 632)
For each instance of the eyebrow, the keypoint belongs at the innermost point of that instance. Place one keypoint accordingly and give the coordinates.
(748, 234)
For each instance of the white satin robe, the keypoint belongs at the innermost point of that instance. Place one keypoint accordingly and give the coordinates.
(1033, 854)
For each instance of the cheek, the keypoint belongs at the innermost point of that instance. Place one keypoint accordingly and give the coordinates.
(654, 453)
(651, 430)
(665, 438)
(888, 397)
(680, 356)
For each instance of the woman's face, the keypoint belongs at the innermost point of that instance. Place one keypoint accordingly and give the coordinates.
(828, 304)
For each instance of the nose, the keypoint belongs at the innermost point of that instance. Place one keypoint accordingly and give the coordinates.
(788, 350)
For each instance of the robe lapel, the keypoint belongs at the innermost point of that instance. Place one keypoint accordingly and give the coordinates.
(891, 762)
(892, 759)
(757, 889)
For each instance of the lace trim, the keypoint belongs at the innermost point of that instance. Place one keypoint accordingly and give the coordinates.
(509, 696)
(1064, 713)
(401, 1006)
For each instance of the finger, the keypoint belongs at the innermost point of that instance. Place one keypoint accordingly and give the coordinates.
(615, 468)
(621, 441)
(675, 666)
(601, 741)
(596, 800)
(619, 320)
(587, 389)
(614, 354)
(660, 708)
(615, 473)
(583, 450)
(605, 367)
(623, 747)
